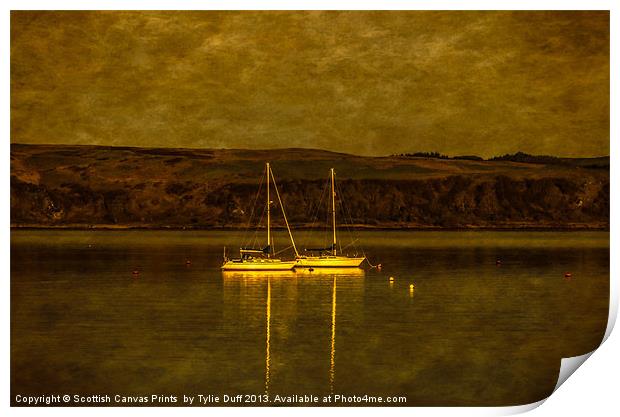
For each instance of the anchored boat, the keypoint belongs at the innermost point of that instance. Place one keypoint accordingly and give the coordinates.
(329, 257)
(263, 259)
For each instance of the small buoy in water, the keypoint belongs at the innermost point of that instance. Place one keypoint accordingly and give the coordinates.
(411, 287)
(188, 262)
(498, 262)
(379, 267)
(391, 279)
(135, 272)
(568, 275)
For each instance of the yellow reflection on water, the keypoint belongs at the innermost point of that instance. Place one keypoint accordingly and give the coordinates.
(300, 272)
(247, 281)
(332, 359)
(257, 275)
(267, 353)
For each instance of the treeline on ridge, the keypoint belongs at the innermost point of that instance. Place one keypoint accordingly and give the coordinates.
(454, 201)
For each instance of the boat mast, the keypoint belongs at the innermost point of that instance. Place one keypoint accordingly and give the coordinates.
(333, 211)
(268, 215)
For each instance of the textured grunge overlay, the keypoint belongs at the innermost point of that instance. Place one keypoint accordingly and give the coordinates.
(484, 83)
(471, 159)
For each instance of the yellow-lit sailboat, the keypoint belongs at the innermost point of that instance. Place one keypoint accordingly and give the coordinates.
(328, 257)
(263, 259)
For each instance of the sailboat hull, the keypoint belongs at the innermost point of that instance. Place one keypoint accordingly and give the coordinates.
(329, 262)
(330, 272)
(258, 265)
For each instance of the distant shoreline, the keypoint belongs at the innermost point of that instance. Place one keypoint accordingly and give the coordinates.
(525, 228)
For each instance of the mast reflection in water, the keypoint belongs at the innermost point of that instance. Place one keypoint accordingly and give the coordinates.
(246, 285)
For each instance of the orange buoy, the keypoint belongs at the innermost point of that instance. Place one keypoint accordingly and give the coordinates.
(498, 262)
(135, 272)
(568, 275)
(188, 262)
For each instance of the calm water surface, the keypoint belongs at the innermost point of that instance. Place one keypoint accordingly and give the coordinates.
(470, 333)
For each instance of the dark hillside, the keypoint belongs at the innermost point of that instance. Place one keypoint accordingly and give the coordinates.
(91, 186)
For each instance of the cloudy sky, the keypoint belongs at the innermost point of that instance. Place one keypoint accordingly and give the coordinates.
(371, 83)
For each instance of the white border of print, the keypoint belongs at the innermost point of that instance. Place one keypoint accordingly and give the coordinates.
(592, 391)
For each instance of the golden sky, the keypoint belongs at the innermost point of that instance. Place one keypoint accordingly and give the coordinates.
(371, 83)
